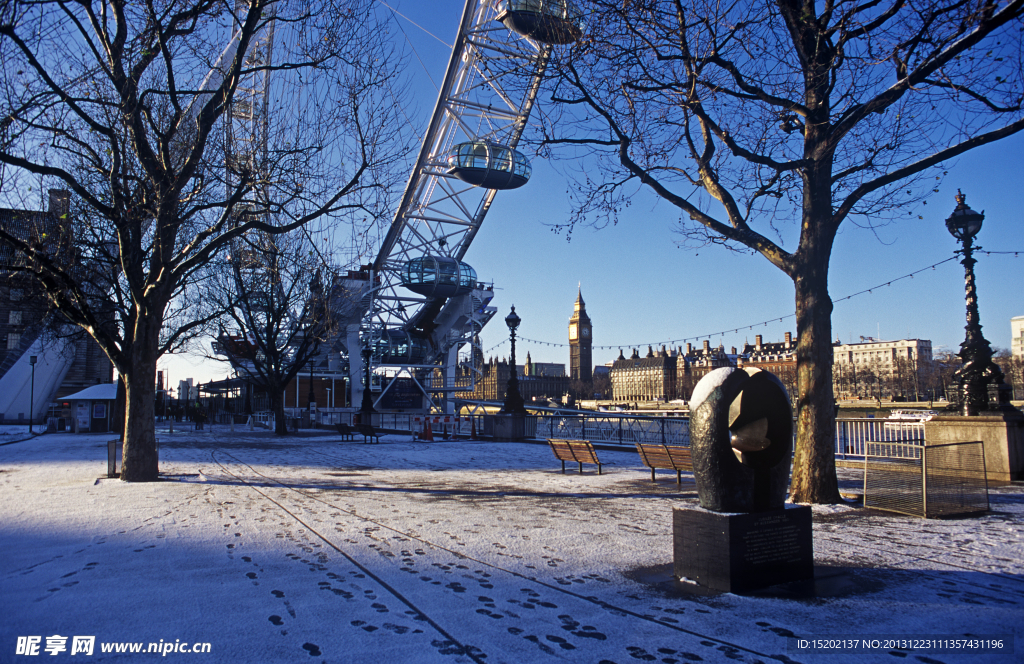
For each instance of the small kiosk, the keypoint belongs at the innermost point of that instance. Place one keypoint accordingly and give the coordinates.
(92, 409)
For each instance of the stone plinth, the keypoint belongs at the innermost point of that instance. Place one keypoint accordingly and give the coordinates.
(1001, 433)
(742, 552)
(513, 426)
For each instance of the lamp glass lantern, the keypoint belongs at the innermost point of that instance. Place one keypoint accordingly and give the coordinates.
(964, 223)
(513, 399)
(513, 320)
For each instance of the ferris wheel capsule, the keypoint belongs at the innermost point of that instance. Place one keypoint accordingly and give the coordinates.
(547, 21)
(438, 276)
(489, 165)
(395, 346)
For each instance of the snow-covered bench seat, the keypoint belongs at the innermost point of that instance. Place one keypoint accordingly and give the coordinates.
(580, 451)
(368, 432)
(666, 457)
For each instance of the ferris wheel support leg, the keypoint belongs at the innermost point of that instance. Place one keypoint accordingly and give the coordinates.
(450, 366)
(355, 365)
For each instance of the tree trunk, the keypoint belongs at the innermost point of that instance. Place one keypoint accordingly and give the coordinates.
(814, 468)
(121, 408)
(139, 452)
(277, 405)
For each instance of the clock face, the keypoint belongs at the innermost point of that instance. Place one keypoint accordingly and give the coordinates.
(572, 333)
(585, 332)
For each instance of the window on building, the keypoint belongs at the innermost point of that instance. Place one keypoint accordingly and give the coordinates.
(12, 340)
(14, 318)
(17, 294)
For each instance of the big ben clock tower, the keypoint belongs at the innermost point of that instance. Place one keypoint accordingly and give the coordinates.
(581, 364)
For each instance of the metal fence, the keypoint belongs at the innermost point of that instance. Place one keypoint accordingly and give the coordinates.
(852, 436)
(926, 480)
(615, 429)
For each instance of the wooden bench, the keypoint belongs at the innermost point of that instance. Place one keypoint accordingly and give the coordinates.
(666, 457)
(346, 431)
(368, 432)
(580, 451)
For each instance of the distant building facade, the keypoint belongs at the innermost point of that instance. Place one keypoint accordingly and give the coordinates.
(776, 357)
(538, 369)
(695, 363)
(884, 355)
(68, 361)
(1017, 337)
(492, 381)
(650, 378)
(874, 368)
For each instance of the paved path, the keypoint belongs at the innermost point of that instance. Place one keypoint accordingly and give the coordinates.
(309, 549)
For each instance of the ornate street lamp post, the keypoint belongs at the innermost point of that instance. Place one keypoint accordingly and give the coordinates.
(32, 393)
(366, 409)
(513, 400)
(979, 381)
(311, 397)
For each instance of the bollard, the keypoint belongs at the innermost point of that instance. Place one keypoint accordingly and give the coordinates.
(112, 458)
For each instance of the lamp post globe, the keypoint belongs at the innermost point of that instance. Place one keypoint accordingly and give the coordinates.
(513, 320)
(513, 399)
(979, 381)
(964, 223)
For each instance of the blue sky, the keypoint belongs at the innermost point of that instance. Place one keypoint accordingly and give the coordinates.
(641, 288)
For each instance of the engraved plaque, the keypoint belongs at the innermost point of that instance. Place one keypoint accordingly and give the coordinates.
(742, 552)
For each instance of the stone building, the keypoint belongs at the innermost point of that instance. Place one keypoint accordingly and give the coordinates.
(537, 369)
(650, 378)
(879, 368)
(66, 360)
(492, 381)
(1017, 337)
(777, 357)
(695, 363)
(885, 354)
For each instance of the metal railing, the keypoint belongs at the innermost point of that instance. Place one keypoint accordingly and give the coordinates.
(926, 480)
(615, 429)
(853, 436)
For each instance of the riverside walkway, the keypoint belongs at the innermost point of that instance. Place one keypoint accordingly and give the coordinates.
(307, 548)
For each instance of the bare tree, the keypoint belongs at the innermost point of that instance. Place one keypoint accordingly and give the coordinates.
(276, 301)
(126, 105)
(941, 373)
(1012, 367)
(747, 116)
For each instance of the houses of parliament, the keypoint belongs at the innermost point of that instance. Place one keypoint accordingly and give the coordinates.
(539, 381)
(660, 375)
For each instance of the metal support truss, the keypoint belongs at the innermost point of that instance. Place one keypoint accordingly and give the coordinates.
(488, 92)
(247, 115)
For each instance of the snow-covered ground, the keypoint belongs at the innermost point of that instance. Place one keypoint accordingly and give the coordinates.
(18, 432)
(306, 548)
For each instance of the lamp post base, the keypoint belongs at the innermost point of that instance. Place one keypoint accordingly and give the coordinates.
(512, 427)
